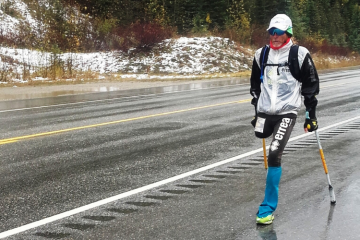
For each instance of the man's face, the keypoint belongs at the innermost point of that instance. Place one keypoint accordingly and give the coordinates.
(278, 40)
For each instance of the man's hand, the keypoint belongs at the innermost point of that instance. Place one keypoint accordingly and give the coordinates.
(253, 121)
(310, 125)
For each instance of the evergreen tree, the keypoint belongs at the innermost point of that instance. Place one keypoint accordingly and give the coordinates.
(263, 10)
(336, 25)
(217, 13)
(312, 18)
(354, 34)
(239, 20)
(295, 12)
(335, 21)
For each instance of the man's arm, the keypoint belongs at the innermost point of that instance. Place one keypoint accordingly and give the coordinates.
(255, 82)
(255, 89)
(309, 89)
(310, 85)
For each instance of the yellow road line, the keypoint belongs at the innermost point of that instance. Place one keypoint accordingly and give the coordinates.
(15, 139)
(5, 141)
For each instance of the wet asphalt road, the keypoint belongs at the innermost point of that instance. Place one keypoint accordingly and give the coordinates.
(111, 146)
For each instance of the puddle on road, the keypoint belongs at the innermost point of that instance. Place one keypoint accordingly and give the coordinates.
(85, 89)
(103, 89)
(37, 95)
(266, 232)
(87, 93)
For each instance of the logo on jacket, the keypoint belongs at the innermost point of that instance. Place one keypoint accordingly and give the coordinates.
(270, 75)
(282, 129)
(273, 75)
(285, 69)
(274, 145)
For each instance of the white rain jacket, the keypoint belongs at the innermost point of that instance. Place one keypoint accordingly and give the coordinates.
(280, 93)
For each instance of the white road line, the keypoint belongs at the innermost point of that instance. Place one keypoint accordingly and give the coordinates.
(148, 187)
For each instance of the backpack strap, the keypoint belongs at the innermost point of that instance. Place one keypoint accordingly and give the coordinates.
(263, 59)
(294, 62)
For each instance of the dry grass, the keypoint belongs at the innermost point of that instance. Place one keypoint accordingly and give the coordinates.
(91, 77)
(203, 76)
(323, 62)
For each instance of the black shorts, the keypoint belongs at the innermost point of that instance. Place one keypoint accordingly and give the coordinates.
(280, 126)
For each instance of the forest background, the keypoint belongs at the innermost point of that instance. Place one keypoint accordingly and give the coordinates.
(328, 27)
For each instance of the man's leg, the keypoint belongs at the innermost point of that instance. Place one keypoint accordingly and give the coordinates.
(268, 206)
(281, 135)
(264, 126)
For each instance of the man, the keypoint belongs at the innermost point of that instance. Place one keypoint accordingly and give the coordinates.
(277, 100)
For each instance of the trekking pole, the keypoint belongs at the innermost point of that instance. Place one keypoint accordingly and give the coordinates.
(331, 189)
(265, 158)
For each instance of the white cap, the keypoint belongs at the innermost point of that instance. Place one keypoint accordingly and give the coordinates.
(282, 22)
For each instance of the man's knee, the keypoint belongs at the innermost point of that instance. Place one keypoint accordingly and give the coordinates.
(274, 160)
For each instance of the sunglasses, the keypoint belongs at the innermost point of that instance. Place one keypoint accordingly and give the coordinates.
(278, 32)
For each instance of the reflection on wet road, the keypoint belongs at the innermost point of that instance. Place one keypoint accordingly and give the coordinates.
(267, 232)
(103, 93)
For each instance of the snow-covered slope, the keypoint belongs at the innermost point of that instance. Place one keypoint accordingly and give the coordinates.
(173, 56)
(9, 24)
(183, 56)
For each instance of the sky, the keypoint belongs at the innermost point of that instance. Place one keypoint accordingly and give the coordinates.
(186, 57)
